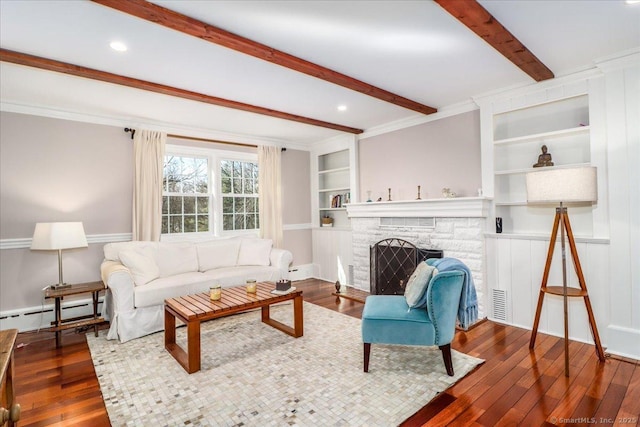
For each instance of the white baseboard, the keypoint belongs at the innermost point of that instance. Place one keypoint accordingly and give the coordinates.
(301, 272)
(623, 341)
(40, 317)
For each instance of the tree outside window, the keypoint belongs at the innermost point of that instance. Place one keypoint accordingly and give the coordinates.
(186, 197)
(239, 187)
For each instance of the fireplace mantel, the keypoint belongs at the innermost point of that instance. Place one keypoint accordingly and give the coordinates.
(458, 207)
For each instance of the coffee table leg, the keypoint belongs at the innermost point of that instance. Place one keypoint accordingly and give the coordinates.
(193, 346)
(169, 329)
(190, 359)
(298, 328)
(298, 323)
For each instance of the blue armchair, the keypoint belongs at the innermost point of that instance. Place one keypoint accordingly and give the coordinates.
(387, 319)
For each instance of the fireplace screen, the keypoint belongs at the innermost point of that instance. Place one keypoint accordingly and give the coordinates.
(392, 261)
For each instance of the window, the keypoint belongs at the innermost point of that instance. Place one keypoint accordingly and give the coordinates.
(239, 181)
(186, 198)
(209, 191)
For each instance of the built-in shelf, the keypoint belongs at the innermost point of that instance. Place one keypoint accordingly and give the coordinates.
(562, 125)
(334, 190)
(543, 136)
(525, 170)
(330, 171)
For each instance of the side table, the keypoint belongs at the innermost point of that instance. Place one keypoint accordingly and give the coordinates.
(90, 319)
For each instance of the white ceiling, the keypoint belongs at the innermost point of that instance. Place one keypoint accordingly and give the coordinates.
(412, 48)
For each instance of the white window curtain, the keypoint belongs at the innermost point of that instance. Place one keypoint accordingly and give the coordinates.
(148, 157)
(270, 194)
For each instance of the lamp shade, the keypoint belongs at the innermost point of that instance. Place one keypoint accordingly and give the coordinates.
(58, 235)
(567, 185)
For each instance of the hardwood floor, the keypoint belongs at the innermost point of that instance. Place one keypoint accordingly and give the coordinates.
(513, 387)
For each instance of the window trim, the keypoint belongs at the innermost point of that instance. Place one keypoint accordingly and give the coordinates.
(214, 157)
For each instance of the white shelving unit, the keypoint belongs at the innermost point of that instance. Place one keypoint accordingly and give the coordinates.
(518, 136)
(334, 183)
(334, 186)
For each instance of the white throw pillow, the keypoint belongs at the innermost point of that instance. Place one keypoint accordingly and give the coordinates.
(141, 263)
(218, 253)
(177, 258)
(255, 252)
(417, 285)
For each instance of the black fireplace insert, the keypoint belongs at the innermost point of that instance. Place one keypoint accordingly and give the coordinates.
(392, 261)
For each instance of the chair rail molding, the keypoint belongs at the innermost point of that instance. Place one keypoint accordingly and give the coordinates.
(25, 242)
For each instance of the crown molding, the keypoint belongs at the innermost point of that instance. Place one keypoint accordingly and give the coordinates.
(627, 59)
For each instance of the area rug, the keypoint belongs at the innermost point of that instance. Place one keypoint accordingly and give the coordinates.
(255, 375)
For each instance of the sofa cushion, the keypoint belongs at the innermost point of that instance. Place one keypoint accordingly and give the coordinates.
(141, 264)
(155, 292)
(217, 253)
(236, 276)
(112, 250)
(254, 252)
(177, 258)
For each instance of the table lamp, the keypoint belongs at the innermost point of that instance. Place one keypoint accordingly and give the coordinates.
(556, 185)
(56, 236)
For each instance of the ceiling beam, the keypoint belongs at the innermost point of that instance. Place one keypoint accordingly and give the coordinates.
(478, 20)
(76, 70)
(176, 21)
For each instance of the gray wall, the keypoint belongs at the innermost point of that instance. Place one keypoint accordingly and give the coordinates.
(58, 170)
(61, 170)
(437, 154)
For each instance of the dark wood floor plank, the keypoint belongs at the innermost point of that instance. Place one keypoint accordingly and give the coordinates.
(630, 407)
(515, 386)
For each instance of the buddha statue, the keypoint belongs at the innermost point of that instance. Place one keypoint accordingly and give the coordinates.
(544, 159)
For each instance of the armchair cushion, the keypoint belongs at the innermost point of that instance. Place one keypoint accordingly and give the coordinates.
(416, 287)
(388, 320)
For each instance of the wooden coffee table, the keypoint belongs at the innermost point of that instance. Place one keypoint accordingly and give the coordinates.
(193, 309)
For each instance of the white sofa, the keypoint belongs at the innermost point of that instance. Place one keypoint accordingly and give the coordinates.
(141, 275)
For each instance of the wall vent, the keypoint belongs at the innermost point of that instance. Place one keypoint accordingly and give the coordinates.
(499, 304)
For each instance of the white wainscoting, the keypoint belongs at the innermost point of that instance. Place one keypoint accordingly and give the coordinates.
(515, 265)
(332, 254)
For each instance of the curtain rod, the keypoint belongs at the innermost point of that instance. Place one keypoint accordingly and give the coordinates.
(193, 138)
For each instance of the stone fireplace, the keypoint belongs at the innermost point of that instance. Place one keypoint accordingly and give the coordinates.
(455, 226)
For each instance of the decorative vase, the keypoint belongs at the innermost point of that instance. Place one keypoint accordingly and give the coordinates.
(337, 286)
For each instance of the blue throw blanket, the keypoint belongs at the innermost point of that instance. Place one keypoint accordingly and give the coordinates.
(468, 308)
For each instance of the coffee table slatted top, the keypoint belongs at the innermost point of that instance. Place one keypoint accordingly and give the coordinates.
(192, 307)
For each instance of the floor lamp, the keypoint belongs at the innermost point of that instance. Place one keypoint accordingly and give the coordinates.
(564, 185)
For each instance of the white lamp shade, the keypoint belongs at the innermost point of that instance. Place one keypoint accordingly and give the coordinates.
(567, 185)
(58, 235)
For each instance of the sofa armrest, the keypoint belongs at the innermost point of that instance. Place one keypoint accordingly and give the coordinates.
(120, 285)
(443, 299)
(281, 258)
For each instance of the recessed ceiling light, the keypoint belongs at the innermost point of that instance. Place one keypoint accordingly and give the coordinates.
(342, 108)
(633, 1)
(118, 46)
